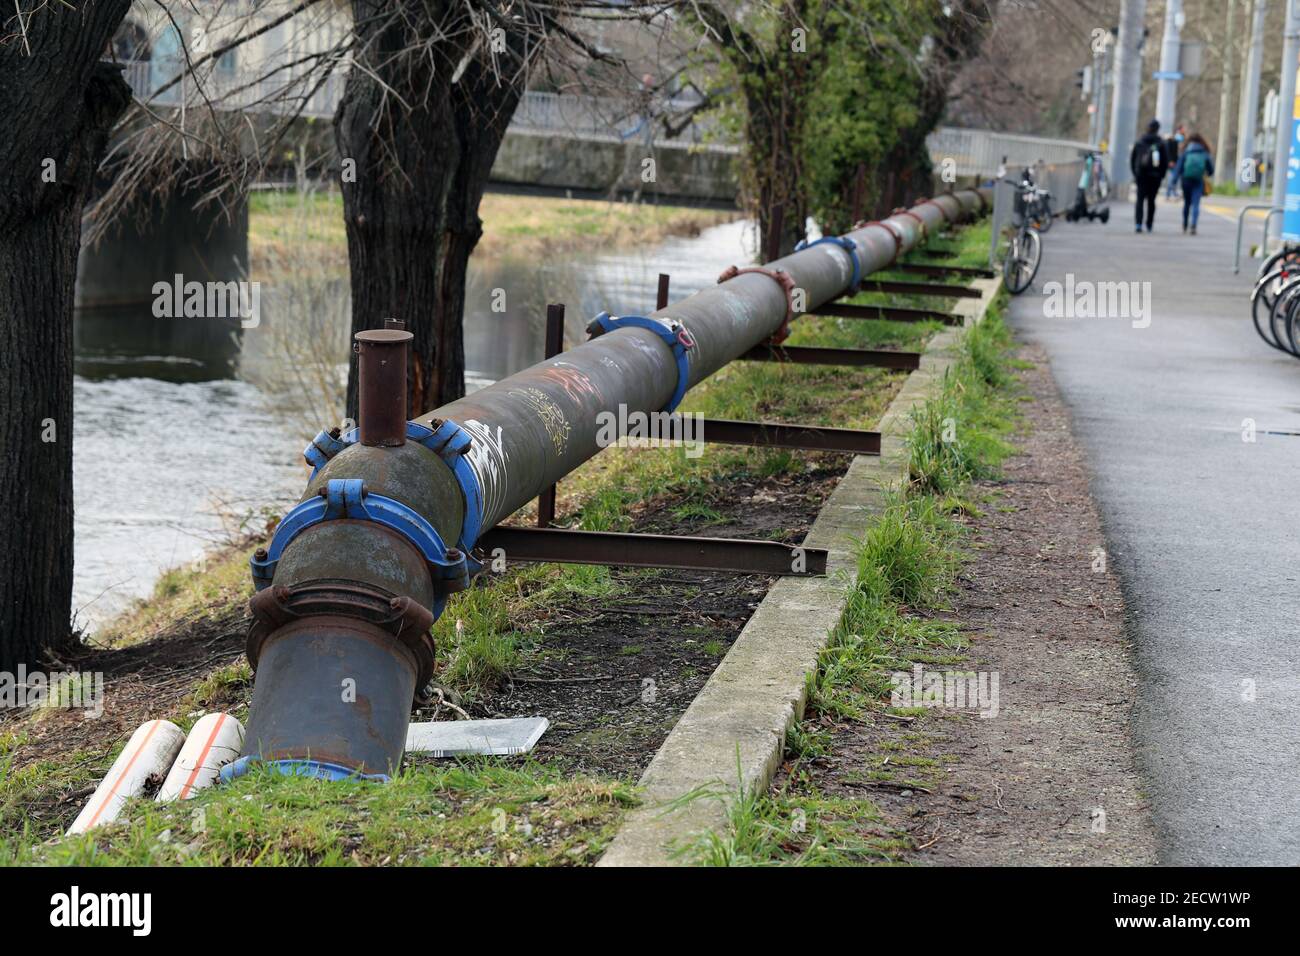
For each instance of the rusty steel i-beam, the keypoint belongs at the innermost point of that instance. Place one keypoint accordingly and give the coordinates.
(357, 572)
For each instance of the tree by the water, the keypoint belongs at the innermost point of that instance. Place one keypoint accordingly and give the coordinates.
(59, 103)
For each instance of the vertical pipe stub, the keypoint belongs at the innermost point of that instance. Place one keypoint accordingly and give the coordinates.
(381, 384)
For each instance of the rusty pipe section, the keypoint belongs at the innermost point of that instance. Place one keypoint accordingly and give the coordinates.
(533, 428)
(361, 567)
(381, 384)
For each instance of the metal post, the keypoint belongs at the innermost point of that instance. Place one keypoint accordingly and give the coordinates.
(661, 297)
(1094, 130)
(1128, 88)
(381, 384)
(1223, 172)
(1167, 86)
(554, 346)
(1107, 84)
(1250, 97)
(1286, 103)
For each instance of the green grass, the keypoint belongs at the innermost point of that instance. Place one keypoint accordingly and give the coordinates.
(804, 830)
(907, 561)
(959, 436)
(457, 814)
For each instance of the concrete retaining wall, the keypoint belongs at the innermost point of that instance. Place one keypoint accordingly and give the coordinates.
(732, 737)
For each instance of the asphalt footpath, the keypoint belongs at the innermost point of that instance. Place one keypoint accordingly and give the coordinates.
(1192, 429)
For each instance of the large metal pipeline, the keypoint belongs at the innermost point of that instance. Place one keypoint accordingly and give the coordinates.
(358, 571)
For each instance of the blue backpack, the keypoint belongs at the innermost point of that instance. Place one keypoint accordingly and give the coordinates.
(1194, 164)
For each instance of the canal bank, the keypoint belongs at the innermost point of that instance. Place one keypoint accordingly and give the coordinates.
(543, 639)
(216, 416)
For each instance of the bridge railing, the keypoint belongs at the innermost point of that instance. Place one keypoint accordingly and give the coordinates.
(579, 117)
(979, 152)
(975, 152)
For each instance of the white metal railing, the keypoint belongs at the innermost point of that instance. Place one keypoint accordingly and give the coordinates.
(976, 152)
(979, 152)
(579, 117)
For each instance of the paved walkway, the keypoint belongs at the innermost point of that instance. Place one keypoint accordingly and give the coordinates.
(1203, 527)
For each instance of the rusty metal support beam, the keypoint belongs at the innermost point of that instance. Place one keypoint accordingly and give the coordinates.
(939, 289)
(940, 271)
(818, 355)
(617, 549)
(801, 437)
(893, 313)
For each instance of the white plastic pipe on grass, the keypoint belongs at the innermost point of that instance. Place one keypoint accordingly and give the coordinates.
(148, 754)
(214, 741)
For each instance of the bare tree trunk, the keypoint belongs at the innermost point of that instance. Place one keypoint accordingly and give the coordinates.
(421, 169)
(59, 103)
(774, 154)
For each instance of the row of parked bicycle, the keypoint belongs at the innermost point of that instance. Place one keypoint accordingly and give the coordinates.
(1275, 301)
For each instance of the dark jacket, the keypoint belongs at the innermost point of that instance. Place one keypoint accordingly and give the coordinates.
(1195, 148)
(1140, 149)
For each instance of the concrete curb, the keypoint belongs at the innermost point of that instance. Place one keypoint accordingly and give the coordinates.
(732, 736)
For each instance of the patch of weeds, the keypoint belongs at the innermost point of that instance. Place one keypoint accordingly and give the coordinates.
(797, 830)
(437, 814)
(696, 511)
(959, 436)
(222, 686)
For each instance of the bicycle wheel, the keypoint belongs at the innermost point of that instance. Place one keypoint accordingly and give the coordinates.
(1280, 315)
(1022, 261)
(1293, 328)
(1286, 256)
(1262, 299)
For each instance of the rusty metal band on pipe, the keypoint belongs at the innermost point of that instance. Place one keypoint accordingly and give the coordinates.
(533, 428)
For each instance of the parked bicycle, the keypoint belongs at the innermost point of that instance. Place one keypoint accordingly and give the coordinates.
(1033, 203)
(1025, 248)
(1275, 300)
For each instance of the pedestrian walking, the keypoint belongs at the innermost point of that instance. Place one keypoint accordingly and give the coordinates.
(1194, 168)
(1173, 147)
(1148, 163)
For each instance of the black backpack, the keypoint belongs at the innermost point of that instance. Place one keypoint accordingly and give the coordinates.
(1152, 157)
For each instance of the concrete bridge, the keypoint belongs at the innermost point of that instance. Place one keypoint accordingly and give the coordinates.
(568, 146)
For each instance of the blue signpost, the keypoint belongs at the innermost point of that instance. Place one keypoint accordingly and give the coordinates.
(1291, 206)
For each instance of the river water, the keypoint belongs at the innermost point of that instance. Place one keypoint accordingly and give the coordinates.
(186, 429)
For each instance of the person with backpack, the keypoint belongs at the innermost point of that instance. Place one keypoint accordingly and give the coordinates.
(1173, 146)
(1148, 163)
(1194, 168)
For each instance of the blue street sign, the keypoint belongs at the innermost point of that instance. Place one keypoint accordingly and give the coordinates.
(1291, 202)
(1166, 75)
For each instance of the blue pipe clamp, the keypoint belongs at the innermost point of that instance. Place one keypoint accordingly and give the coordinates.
(675, 335)
(845, 243)
(348, 498)
(449, 442)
